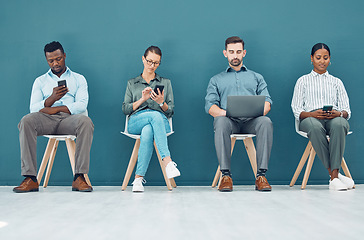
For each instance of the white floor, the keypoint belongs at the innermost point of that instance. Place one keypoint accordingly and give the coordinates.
(184, 213)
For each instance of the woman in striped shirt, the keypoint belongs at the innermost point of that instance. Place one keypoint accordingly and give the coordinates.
(312, 92)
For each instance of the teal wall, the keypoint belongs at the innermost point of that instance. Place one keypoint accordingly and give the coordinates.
(104, 41)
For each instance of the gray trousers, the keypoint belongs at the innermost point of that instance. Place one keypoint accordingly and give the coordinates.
(37, 124)
(330, 152)
(262, 127)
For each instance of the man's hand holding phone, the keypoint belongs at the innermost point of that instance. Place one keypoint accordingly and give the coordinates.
(60, 91)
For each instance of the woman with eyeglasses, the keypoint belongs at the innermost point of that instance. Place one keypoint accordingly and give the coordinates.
(149, 103)
(321, 105)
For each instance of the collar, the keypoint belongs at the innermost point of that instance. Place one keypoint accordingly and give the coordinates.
(54, 75)
(315, 74)
(242, 69)
(141, 80)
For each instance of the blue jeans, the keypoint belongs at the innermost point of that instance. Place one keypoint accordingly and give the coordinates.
(152, 126)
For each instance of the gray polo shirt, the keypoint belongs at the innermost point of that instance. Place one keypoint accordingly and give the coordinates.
(234, 83)
(134, 92)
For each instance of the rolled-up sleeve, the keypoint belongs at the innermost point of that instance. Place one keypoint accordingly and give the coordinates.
(169, 99)
(81, 98)
(127, 107)
(262, 89)
(36, 98)
(212, 95)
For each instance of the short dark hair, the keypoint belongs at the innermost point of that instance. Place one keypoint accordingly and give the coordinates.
(233, 39)
(318, 46)
(53, 46)
(153, 49)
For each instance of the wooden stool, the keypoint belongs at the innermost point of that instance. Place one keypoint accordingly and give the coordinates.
(50, 153)
(250, 149)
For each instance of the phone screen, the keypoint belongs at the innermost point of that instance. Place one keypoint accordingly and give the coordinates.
(327, 108)
(62, 83)
(161, 87)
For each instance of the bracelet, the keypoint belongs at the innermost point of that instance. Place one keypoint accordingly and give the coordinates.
(341, 114)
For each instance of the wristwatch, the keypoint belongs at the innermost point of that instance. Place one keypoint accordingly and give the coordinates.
(341, 114)
(161, 105)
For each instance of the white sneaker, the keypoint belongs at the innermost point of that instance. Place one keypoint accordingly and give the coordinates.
(138, 184)
(337, 185)
(349, 183)
(172, 171)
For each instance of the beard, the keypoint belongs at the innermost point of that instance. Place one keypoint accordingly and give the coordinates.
(235, 62)
(57, 70)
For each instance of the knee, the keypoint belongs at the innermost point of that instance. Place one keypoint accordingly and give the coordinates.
(222, 124)
(312, 125)
(339, 124)
(26, 121)
(147, 133)
(264, 122)
(156, 117)
(86, 123)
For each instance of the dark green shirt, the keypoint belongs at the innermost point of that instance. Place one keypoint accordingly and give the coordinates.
(134, 92)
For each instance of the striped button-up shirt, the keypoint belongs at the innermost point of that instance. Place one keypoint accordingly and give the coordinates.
(313, 91)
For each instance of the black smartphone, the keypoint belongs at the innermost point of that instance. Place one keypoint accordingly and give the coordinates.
(327, 108)
(160, 87)
(62, 83)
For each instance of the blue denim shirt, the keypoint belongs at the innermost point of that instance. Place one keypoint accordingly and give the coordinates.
(76, 99)
(234, 83)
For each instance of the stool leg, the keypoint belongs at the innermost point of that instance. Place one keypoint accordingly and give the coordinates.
(346, 169)
(71, 153)
(218, 174)
(131, 165)
(302, 162)
(47, 153)
(308, 168)
(217, 177)
(71, 148)
(173, 183)
(169, 186)
(252, 153)
(50, 164)
(87, 180)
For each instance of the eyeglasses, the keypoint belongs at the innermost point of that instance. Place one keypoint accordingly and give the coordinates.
(150, 62)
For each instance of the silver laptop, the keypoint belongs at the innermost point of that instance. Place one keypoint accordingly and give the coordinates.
(245, 106)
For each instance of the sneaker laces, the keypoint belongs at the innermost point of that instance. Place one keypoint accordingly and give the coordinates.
(173, 163)
(137, 179)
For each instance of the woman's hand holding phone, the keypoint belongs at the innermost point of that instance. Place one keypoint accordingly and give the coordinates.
(158, 96)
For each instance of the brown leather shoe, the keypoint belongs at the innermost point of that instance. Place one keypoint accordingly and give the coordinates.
(80, 185)
(226, 184)
(261, 184)
(27, 185)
